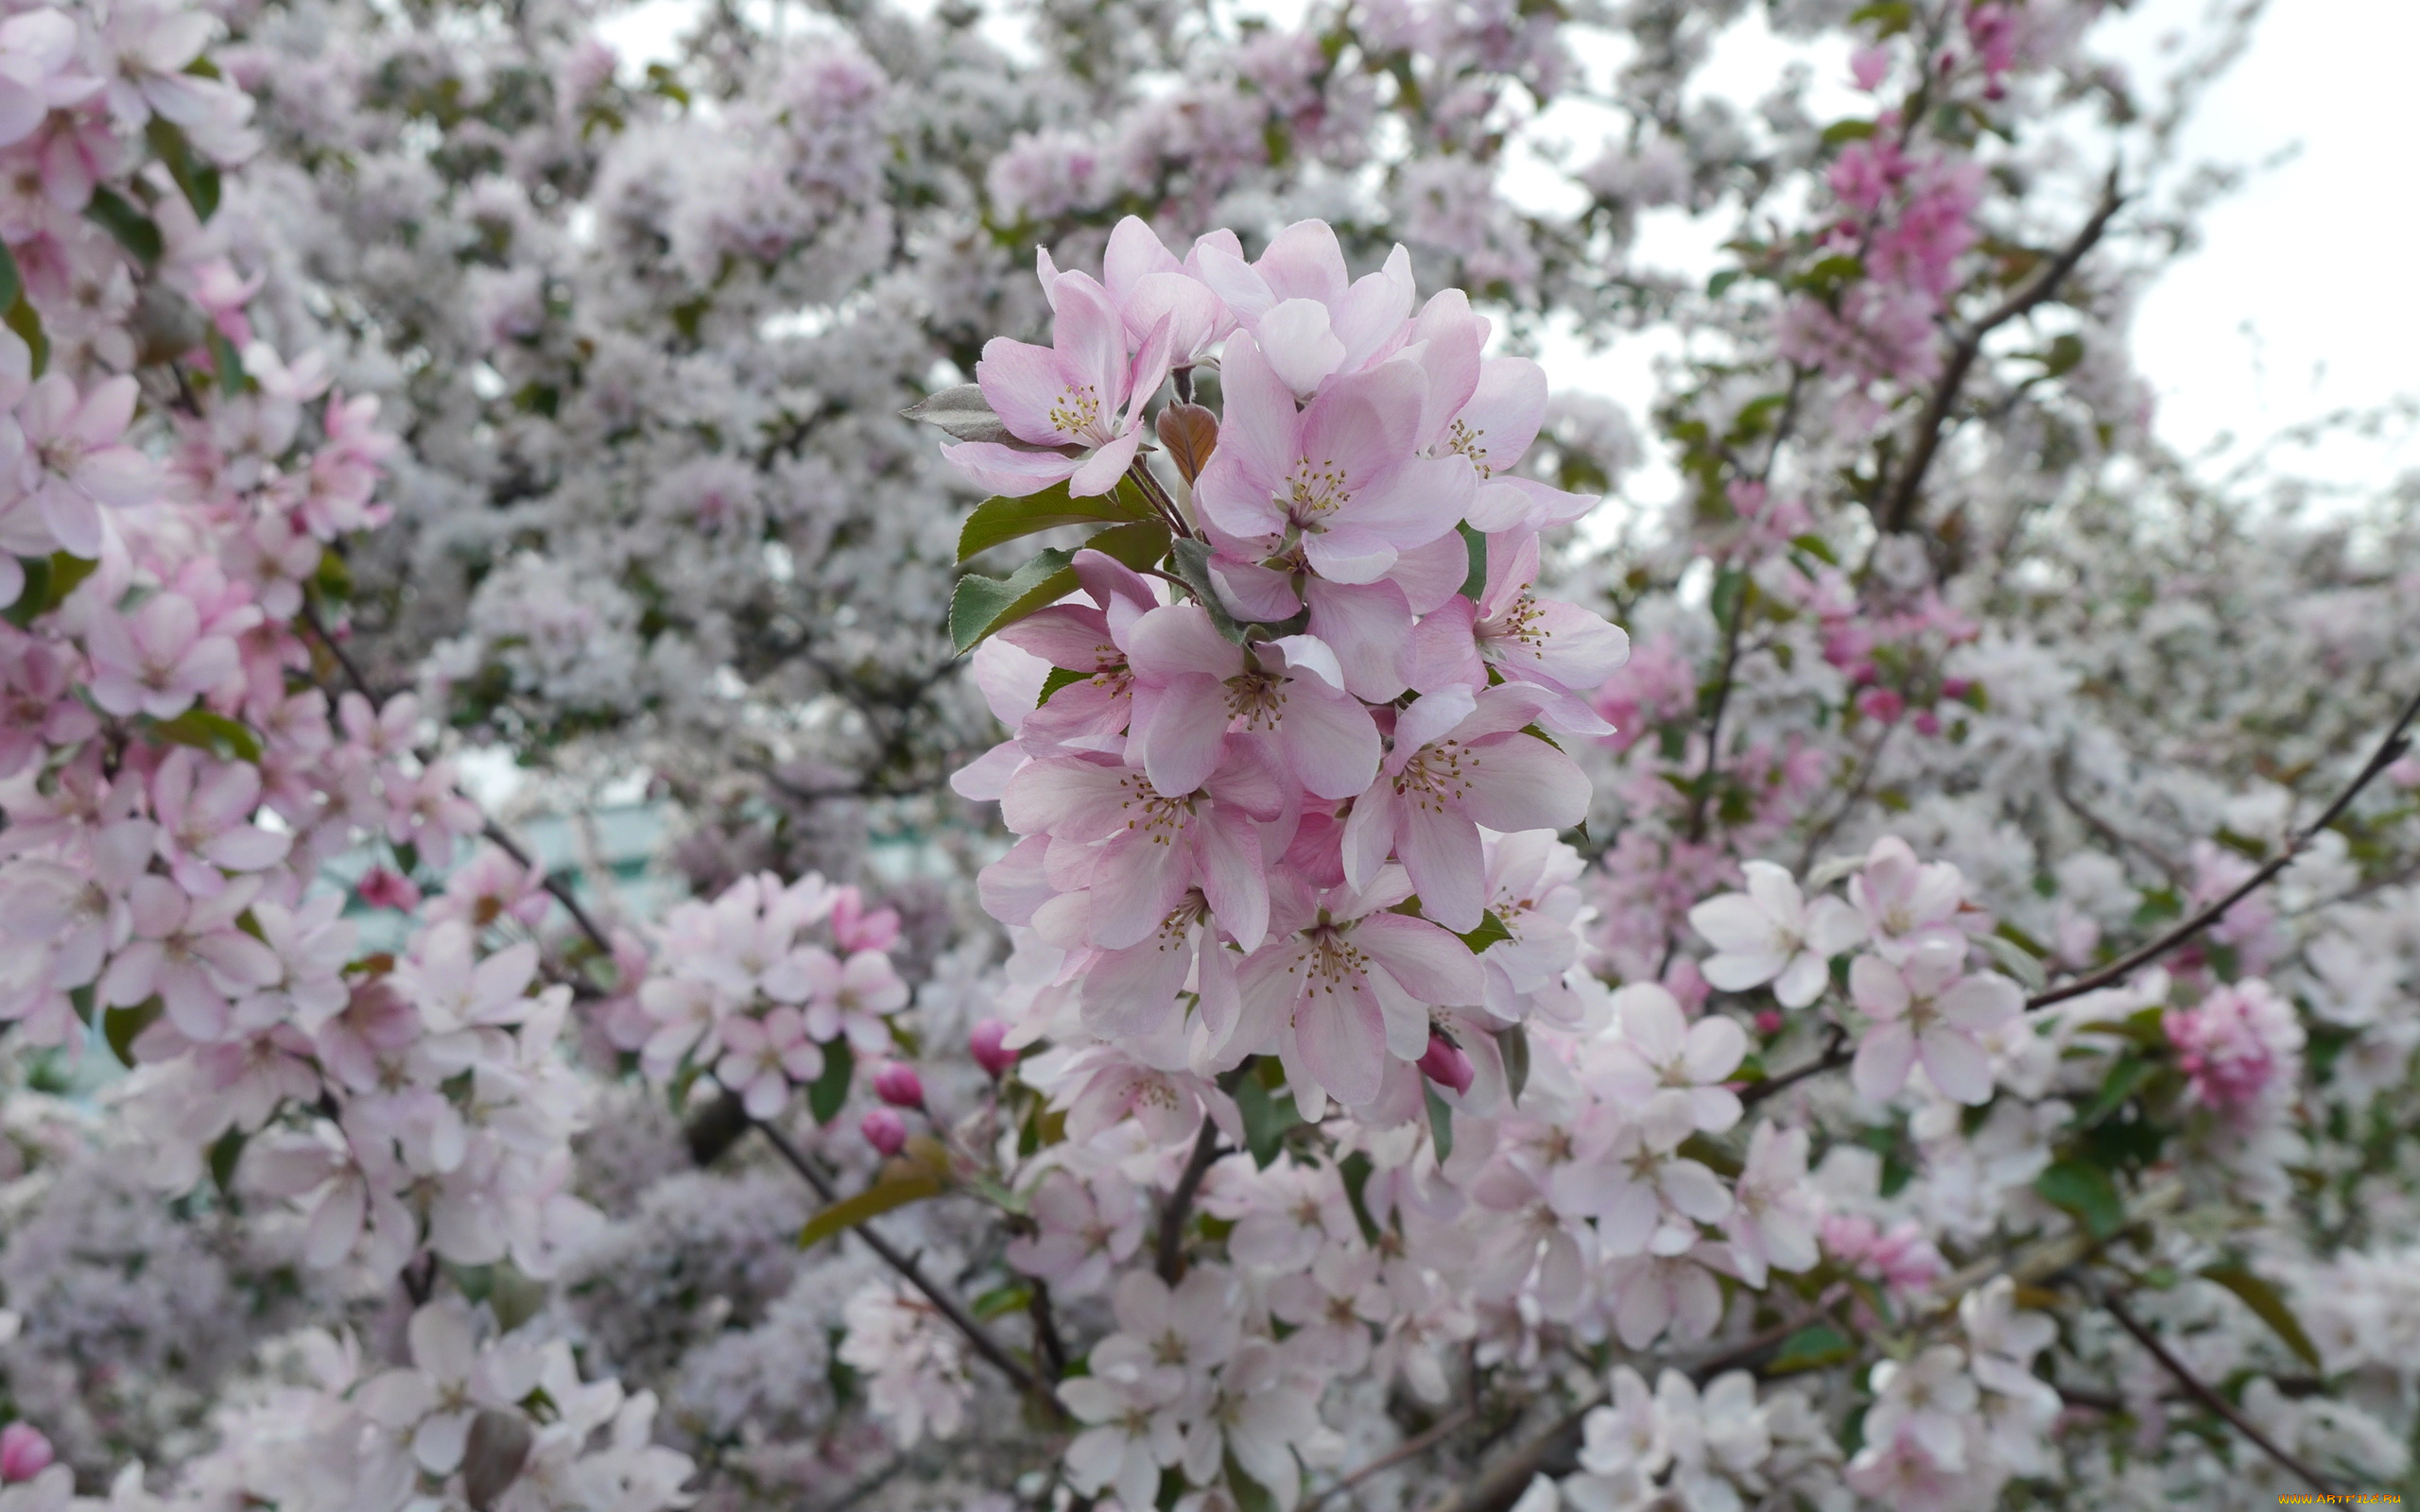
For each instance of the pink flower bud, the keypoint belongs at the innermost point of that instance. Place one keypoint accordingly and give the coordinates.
(24, 1452)
(885, 1130)
(382, 888)
(1881, 703)
(1927, 723)
(1768, 1021)
(1956, 687)
(984, 1041)
(1446, 1064)
(897, 1084)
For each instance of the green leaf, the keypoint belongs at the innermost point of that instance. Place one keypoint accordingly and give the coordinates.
(22, 318)
(213, 732)
(1355, 1169)
(135, 232)
(2125, 1076)
(1475, 581)
(1250, 1496)
(1840, 132)
(996, 521)
(1810, 1348)
(1490, 930)
(1190, 561)
(119, 1026)
(1000, 1301)
(902, 1184)
(1059, 678)
(1817, 547)
(2262, 1299)
(195, 175)
(1712, 1154)
(48, 581)
(229, 362)
(1440, 1123)
(1889, 17)
(2062, 356)
(1139, 544)
(13, 284)
(830, 1090)
(224, 1153)
(1267, 1117)
(2085, 1190)
(1512, 1043)
(1723, 280)
(982, 605)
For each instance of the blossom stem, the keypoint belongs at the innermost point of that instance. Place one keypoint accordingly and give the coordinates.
(1170, 1251)
(992, 1350)
(2389, 750)
(1412, 1448)
(1836, 1055)
(2207, 1397)
(1898, 513)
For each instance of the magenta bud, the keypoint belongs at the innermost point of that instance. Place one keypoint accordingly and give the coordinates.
(24, 1452)
(1768, 1021)
(885, 1130)
(1956, 687)
(1446, 1064)
(897, 1084)
(985, 1040)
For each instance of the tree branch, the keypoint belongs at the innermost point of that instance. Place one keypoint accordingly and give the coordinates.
(995, 1353)
(2208, 1398)
(1410, 1448)
(1170, 1253)
(1899, 513)
(2388, 752)
(1836, 1055)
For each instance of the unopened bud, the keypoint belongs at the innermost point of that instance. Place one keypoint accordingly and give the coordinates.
(24, 1452)
(986, 1041)
(898, 1084)
(885, 1130)
(1446, 1064)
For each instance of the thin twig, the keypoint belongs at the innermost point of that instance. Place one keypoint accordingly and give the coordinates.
(1836, 1054)
(1170, 1253)
(2388, 752)
(976, 1334)
(2116, 837)
(1899, 513)
(2207, 1397)
(1412, 1448)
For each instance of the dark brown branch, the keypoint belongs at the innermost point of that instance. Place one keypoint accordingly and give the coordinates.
(1898, 511)
(2388, 752)
(1556, 1451)
(1412, 1448)
(1170, 1253)
(2115, 838)
(995, 1353)
(2207, 1397)
(1836, 1055)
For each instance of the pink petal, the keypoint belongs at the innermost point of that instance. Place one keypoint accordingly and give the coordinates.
(1329, 740)
(1440, 847)
(1368, 626)
(1521, 782)
(1342, 1036)
(1959, 1066)
(1008, 471)
(1234, 876)
(1179, 731)
(1430, 964)
(1883, 1057)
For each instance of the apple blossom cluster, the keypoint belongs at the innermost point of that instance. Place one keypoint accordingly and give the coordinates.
(178, 495)
(1256, 813)
(735, 993)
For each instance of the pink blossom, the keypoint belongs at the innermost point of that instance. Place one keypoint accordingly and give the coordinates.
(380, 888)
(1445, 1064)
(1771, 934)
(1458, 762)
(190, 952)
(1192, 685)
(1349, 987)
(851, 998)
(1927, 1007)
(1666, 1073)
(1907, 904)
(1300, 312)
(2233, 1044)
(204, 809)
(79, 463)
(1079, 393)
(1556, 646)
(1337, 480)
(763, 1058)
(855, 929)
(156, 660)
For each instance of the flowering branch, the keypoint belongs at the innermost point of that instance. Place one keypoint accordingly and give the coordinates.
(976, 1334)
(1898, 513)
(2207, 1397)
(2388, 752)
